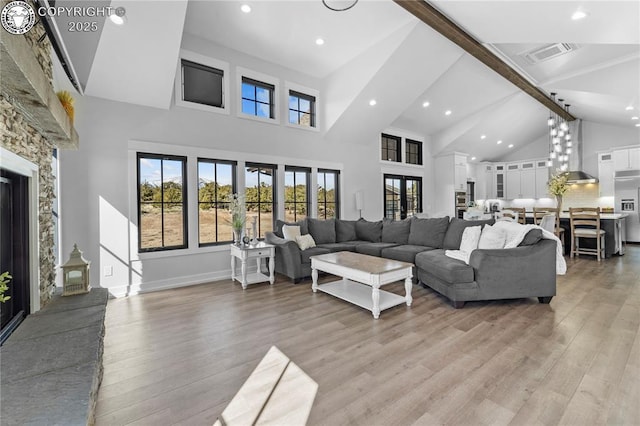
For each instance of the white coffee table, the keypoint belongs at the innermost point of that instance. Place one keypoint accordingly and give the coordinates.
(247, 252)
(362, 277)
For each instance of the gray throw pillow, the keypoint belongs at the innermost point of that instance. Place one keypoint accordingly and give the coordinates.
(396, 231)
(531, 238)
(369, 231)
(345, 230)
(322, 231)
(302, 223)
(429, 232)
(453, 237)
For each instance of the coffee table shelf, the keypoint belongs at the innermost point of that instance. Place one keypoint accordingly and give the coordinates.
(360, 294)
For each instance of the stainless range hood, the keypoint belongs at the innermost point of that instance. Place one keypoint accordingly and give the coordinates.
(575, 173)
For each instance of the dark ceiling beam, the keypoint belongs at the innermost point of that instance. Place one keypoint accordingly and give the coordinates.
(439, 22)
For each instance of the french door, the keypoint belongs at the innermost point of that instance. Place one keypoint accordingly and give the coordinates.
(402, 196)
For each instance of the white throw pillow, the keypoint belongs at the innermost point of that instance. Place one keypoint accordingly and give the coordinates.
(290, 232)
(492, 238)
(470, 238)
(305, 241)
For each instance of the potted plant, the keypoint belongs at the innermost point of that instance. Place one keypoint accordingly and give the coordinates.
(238, 216)
(558, 186)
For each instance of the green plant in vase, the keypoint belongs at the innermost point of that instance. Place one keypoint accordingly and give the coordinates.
(558, 186)
(238, 216)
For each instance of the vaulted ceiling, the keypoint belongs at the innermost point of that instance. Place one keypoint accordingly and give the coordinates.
(379, 50)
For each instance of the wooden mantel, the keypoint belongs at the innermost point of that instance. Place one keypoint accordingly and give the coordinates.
(26, 87)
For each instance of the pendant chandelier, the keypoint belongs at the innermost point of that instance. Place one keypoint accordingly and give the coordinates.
(560, 143)
(339, 5)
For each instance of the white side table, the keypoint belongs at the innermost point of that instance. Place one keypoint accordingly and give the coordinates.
(258, 252)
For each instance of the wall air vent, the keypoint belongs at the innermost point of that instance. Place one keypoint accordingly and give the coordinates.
(549, 51)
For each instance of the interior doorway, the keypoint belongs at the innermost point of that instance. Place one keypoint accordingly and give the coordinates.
(14, 249)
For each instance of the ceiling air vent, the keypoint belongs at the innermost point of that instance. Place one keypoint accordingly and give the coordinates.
(549, 51)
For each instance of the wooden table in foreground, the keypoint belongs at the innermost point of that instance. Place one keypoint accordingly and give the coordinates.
(362, 277)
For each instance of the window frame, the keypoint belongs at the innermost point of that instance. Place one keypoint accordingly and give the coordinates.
(312, 113)
(243, 73)
(411, 142)
(383, 149)
(324, 202)
(259, 85)
(403, 194)
(234, 189)
(274, 190)
(307, 203)
(208, 62)
(185, 203)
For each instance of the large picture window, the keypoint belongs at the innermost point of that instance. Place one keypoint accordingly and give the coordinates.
(390, 148)
(302, 109)
(216, 185)
(257, 98)
(162, 202)
(260, 195)
(402, 196)
(296, 193)
(328, 185)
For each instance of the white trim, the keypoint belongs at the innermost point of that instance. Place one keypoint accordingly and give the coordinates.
(288, 86)
(210, 62)
(21, 166)
(258, 76)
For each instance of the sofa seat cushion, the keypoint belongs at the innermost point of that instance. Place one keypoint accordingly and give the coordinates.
(305, 255)
(404, 253)
(445, 268)
(373, 249)
(346, 246)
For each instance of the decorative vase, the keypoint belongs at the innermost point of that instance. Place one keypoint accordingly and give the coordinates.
(237, 236)
(559, 203)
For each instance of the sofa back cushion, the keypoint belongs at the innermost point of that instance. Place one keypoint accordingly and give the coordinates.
(531, 238)
(429, 232)
(454, 232)
(396, 231)
(369, 231)
(345, 230)
(322, 231)
(302, 223)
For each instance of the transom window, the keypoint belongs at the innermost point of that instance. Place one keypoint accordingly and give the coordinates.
(296, 193)
(413, 152)
(302, 109)
(390, 148)
(202, 84)
(216, 185)
(162, 202)
(260, 199)
(328, 198)
(257, 98)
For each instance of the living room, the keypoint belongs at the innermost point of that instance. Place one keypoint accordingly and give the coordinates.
(132, 113)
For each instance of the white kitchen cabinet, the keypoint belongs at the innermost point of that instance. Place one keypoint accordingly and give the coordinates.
(605, 174)
(450, 177)
(498, 187)
(460, 172)
(484, 181)
(542, 179)
(512, 184)
(626, 159)
(521, 180)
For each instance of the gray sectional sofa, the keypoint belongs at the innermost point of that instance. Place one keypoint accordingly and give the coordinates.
(524, 271)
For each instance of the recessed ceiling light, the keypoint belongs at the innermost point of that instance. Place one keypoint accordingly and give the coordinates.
(319, 41)
(483, 136)
(118, 16)
(245, 8)
(372, 102)
(447, 112)
(510, 145)
(629, 108)
(634, 118)
(499, 142)
(473, 158)
(638, 125)
(579, 14)
(425, 104)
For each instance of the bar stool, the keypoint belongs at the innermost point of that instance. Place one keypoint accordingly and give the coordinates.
(540, 212)
(585, 223)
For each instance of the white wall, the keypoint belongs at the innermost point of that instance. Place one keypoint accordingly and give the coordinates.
(97, 182)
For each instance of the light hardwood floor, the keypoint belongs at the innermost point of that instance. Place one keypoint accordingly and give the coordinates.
(179, 356)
